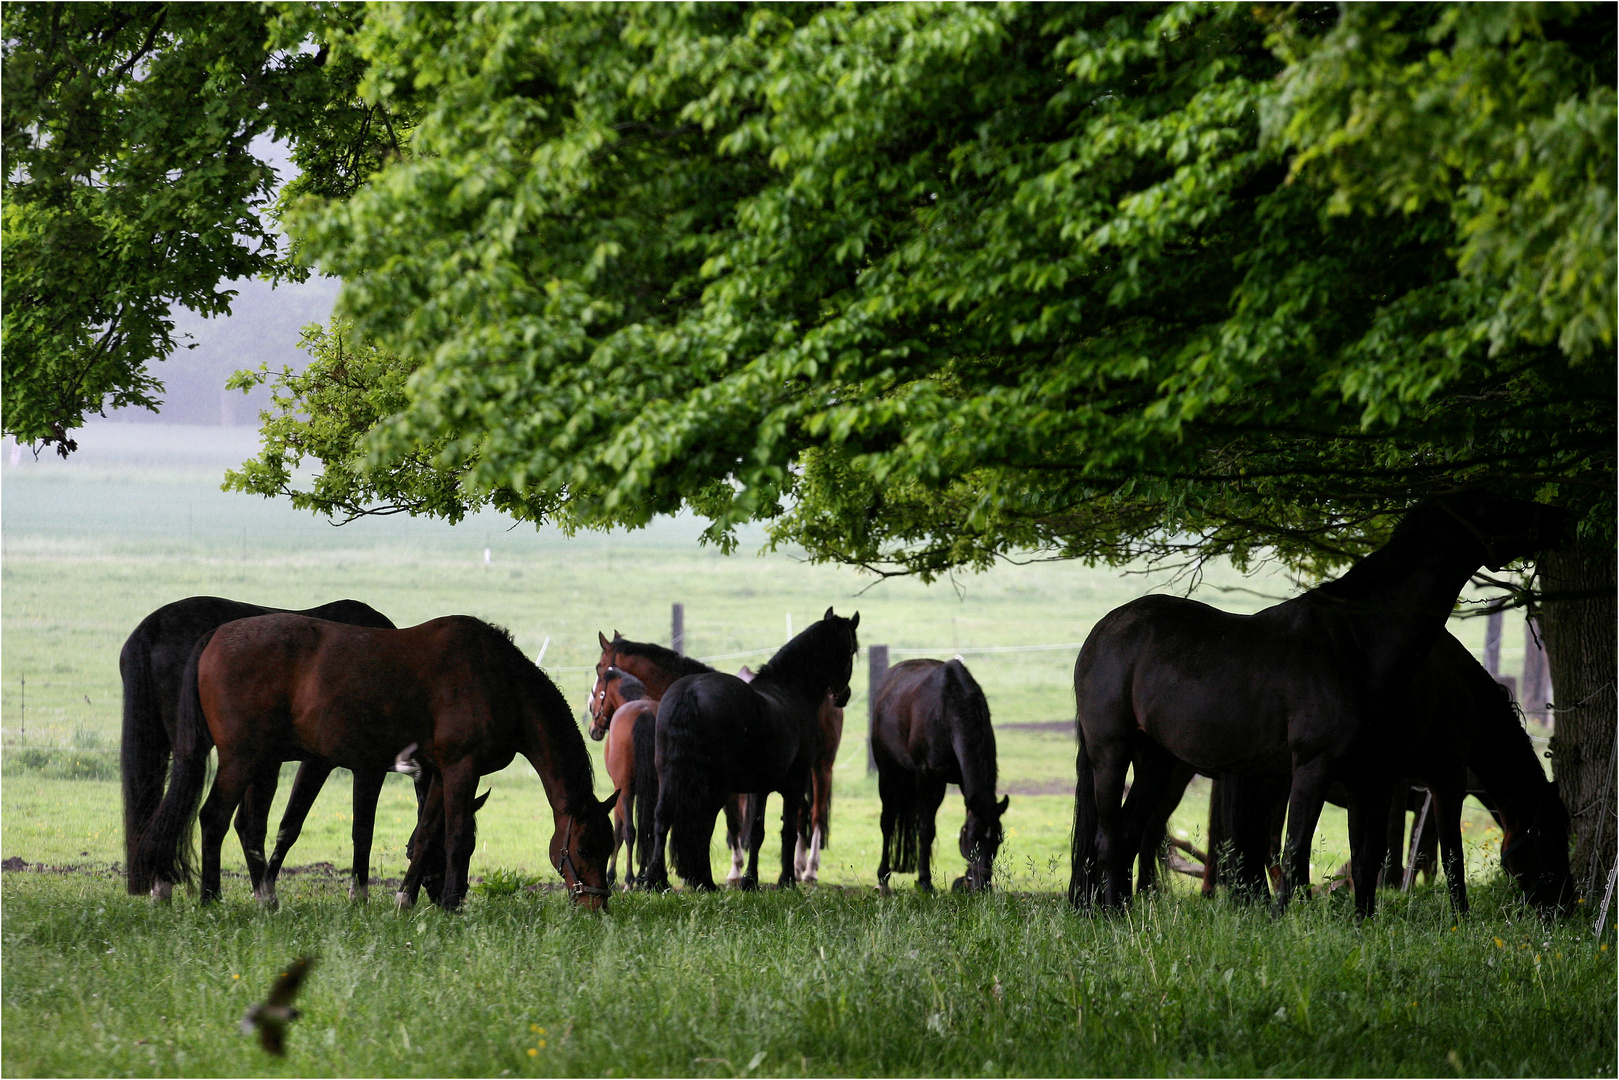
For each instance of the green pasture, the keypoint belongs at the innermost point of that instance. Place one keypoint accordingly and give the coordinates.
(834, 980)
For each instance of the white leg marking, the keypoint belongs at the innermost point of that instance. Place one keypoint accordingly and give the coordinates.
(401, 901)
(162, 891)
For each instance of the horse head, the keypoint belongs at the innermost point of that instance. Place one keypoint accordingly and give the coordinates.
(598, 691)
(1507, 529)
(580, 848)
(981, 838)
(1535, 853)
(840, 690)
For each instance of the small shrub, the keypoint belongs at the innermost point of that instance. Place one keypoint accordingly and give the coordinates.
(503, 882)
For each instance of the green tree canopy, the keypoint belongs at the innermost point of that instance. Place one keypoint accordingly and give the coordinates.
(926, 284)
(134, 182)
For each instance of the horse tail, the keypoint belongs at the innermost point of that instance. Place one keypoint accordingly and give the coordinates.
(143, 752)
(685, 790)
(1083, 883)
(164, 852)
(907, 822)
(645, 746)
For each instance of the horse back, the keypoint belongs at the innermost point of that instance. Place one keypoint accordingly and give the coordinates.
(740, 732)
(908, 723)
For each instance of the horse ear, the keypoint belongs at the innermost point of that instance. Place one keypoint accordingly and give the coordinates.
(603, 639)
(828, 614)
(610, 802)
(854, 623)
(1006, 800)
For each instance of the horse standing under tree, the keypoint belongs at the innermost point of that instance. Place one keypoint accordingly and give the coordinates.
(276, 686)
(815, 819)
(1312, 690)
(717, 735)
(930, 727)
(617, 708)
(152, 664)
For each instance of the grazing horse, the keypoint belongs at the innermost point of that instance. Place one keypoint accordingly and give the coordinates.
(658, 668)
(152, 663)
(622, 705)
(717, 735)
(1307, 692)
(815, 818)
(1465, 739)
(278, 686)
(930, 727)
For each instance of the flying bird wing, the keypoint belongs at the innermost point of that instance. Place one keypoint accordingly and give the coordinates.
(286, 986)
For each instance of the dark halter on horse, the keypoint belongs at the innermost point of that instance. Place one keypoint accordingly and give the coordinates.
(577, 886)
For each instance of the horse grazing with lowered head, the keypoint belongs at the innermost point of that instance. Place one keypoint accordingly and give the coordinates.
(1464, 739)
(152, 663)
(277, 686)
(1308, 692)
(930, 727)
(620, 707)
(717, 736)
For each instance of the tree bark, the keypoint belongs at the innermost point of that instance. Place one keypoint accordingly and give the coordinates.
(1582, 645)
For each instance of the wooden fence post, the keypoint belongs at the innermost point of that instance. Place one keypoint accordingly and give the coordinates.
(1537, 684)
(677, 635)
(878, 657)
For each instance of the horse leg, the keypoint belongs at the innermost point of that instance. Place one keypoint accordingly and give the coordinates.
(367, 789)
(736, 815)
(252, 822)
(929, 794)
(888, 798)
(656, 875)
(1309, 791)
(1109, 761)
(820, 812)
(792, 813)
(1149, 805)
(305, 787)
(460, 791)
(230, 784)
(755, 818)
(1368, 841)
(425, 843)
(1392, 871)
(1445, 817)
(1252, 804)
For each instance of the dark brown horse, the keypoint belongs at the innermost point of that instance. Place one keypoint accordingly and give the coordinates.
(1310, 691)
(717, 736)
(815, 819)
(152, 663)
(277, 686)
(1465, 738)
(620, 706)
(930, 727)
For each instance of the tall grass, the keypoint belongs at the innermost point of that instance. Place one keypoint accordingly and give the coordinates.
(816, 982)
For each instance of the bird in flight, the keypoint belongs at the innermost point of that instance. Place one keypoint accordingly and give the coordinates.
(271, 1016)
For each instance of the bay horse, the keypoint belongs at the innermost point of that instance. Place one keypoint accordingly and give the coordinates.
(930, 727)
(151, 664)
(657, 668)
(1465, 739)
(1306, 692)
(615, 713)
(277, 686)
(717, 735)
(815, 818)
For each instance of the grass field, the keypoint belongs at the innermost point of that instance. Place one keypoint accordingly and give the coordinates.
(833, 981)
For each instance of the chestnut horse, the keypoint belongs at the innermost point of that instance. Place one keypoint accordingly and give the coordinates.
(621, 704)
(717, 736)
(930, 727)
(151, 663)
(1308, 692)
(277, 686)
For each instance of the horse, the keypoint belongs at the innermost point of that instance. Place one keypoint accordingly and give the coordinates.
(276, 686)
(815, 816)
(622, 705)
(930, 727)
(151, 663)
(657, 668)
(1466, 739)
(717, 735)
(1306, 692)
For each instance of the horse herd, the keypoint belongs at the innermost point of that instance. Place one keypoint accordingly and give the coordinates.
(1349, 691)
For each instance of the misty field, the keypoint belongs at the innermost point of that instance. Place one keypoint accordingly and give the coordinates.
(831, 980)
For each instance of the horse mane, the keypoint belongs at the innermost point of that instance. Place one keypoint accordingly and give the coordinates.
(808, 650)
(1390, 559)
(568, 756)
(630, 688)
(664, 658)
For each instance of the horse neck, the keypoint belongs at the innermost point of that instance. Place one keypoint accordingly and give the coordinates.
(1398, 598)
(1502, 756)
(655, 676)
(553, 744)
(974, 743)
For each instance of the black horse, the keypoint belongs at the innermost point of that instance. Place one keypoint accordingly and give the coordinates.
(151, 663)
(1464, 739)
(717, 735)
(1310, 691)
(930, 727)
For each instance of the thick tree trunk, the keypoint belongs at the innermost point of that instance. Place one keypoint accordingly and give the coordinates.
(1581, 644)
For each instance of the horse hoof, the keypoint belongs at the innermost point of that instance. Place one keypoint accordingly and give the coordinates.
(925, 887)
(162, 891)
(359, 894)
(402, 901)
(267, 901)
(748, 884)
